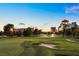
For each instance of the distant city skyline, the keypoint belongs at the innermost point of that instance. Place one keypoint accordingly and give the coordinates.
(40, 15)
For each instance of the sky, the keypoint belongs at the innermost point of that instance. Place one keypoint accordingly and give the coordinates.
(40, 15)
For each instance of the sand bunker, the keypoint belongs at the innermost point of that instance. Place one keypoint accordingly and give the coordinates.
(70, 40)
(48, 45)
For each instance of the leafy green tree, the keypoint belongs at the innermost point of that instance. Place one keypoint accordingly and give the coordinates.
(36, 32)
(18, 33)
(28, 32)
(1, 33)
(8, 29)
(71, 31)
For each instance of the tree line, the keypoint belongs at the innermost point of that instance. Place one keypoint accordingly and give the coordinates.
(9, 30)
(70, 30)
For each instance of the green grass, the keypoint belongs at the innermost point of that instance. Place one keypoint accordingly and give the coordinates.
(23, 46)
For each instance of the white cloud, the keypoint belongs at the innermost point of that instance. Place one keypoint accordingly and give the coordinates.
(72, 9)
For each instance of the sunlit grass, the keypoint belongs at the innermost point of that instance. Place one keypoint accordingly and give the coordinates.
(14, 46)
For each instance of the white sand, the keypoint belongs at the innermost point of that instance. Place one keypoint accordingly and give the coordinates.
(69, 40)
(48, 45)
